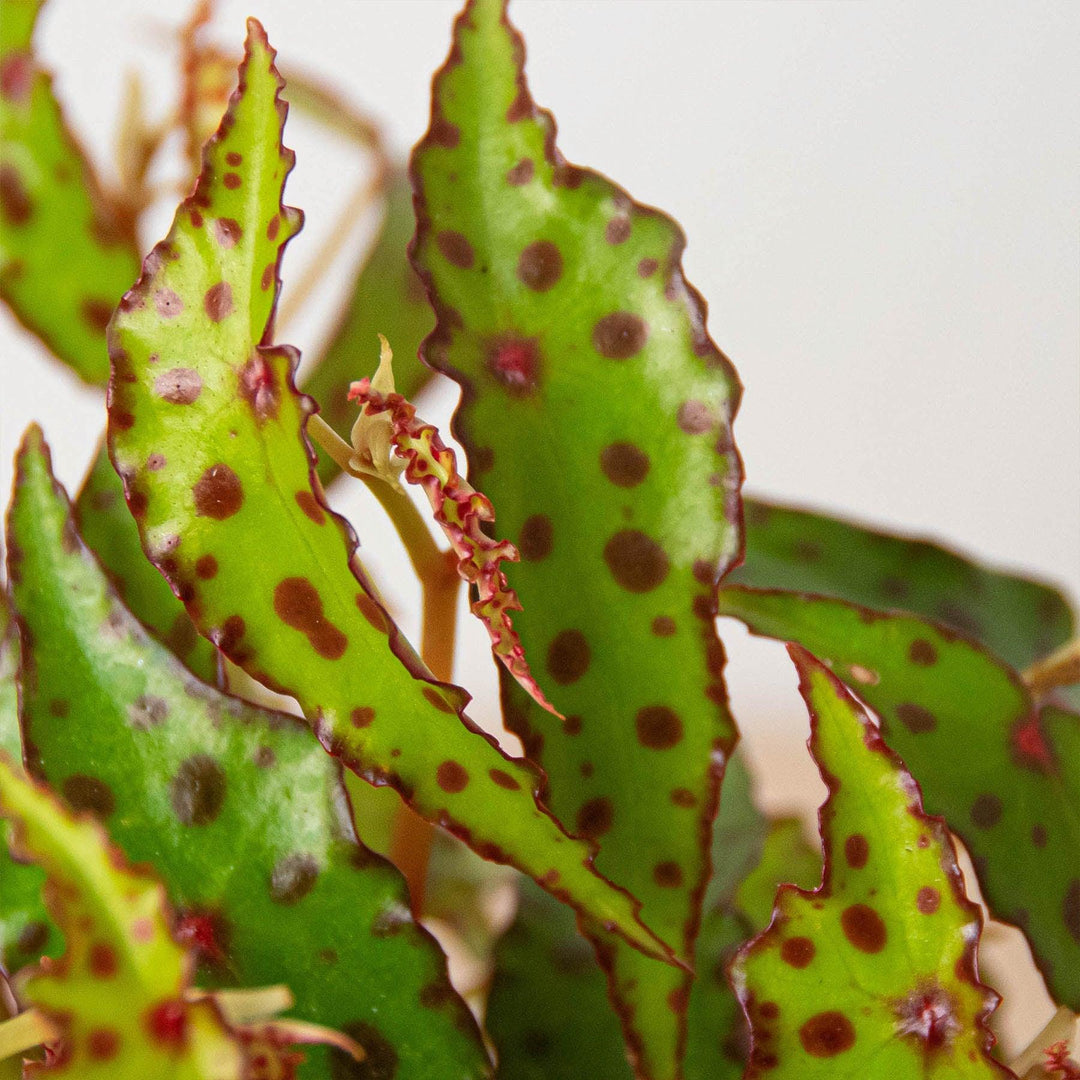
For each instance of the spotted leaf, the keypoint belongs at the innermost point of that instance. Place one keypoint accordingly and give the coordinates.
(873, 974)
(206, 429)
(596, 415)
(461, 512)
(548, 1012)
(240, 811)
(1003, 774)
(66, 254)
(1019, 619)
(117, 993)
(26, 931)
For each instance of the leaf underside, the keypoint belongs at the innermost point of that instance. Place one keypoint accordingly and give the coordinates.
(596, 416)
(1003, 773)
(66, 254)
(873, 974)
(241, 813)
(206, 432)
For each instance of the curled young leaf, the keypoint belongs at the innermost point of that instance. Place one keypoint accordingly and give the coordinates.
(66, 253)
(873, 974)
(206, 430)
(596, 414)
(239, 810)
(1003, 773)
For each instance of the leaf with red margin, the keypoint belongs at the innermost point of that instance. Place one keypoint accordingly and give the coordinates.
(1004, 775)
(26, 931)
(596, 414)
(462, 513)
(871, 976)
(66, 254)
(548, 1012)
(206, 430)
(239, 810)
(117, 993)
(1016, 617)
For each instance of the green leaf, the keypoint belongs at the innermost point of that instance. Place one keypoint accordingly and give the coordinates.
(66, 254)
(206, 430)
(117, 993)
(239, 810)
(113, 535)
(1004, 776)
(596, 416)
(1019, 619)
(872, 975)
(548, 1013)
(26, 931)
(387, 299)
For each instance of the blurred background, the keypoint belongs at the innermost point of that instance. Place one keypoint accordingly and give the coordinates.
(881, 202)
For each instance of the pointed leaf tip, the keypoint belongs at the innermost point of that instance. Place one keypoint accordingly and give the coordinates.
(874, 972)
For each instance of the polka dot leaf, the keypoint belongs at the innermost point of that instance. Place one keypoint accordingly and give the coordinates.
(548, 1011)
(1003, 772)
(596, 415)
(1018, 618)
(206, 430)
(66, 253)
(239, 810)
(117, 993)
(873, 974)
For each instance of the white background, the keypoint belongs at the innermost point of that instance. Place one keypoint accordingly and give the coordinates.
(882, 207)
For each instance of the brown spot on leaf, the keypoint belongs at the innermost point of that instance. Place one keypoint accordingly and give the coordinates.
(856, 851)
(206, 567)
(504, 779)
(89, 793)
(986, 810)
(658, 727)
(663, 626)
(16, 206)
(594, 817)
(647, 267)
(258, 385)
(617, 230)
(380, 1060)
(535, 540)
(178, 385)
(228, 232)
(636, 561)
(231, 180)
(452, 776)
(1038, 835)
(371, 611)
(568, 657)
(827, 1034)
(521, 173)
(310, 505)
(668, 874)
(218, 493)
(218, 301)
(695, 418)
(928, 900)
(922, 652)
(292, 878)
(362, 716)
(797, 952)
(540, 266)
(683, 797)
(198, 790)
(96, 313)
(620, 335)
(864, 928)
(455, 248)
(299, 605)
(624, 464)
(917, 719)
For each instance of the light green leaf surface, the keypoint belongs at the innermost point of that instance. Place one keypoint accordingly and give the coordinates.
(873, 975)
(206, 432)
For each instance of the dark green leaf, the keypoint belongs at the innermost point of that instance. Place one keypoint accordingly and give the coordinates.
(206, 429)
(596, 415)
(786, 548)
(66, 254)
(239, 810)
(1004, 777)
(873, 975)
